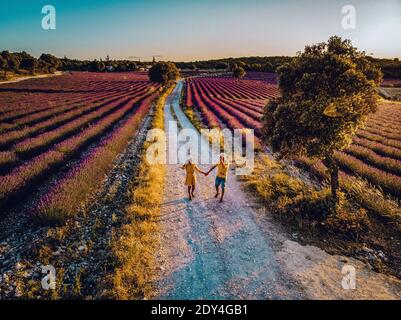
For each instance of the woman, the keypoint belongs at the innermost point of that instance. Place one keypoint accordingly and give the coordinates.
(190, 178)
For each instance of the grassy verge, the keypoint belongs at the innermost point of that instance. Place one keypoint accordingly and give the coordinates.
(351, 227)
(194, 118)
(174, 115)
(366, 195)
(135, 243)
(296, 202)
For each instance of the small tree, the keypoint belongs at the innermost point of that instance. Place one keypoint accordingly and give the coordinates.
(327, 91)
(239, 72)
(12, 62)
(164, 72)
(50, 61)
(268, 67)
(31, 65)
(97, 66)
(3, 66)
(131, 66)
(28, 62)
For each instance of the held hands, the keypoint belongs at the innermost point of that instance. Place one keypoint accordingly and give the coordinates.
(207, 173)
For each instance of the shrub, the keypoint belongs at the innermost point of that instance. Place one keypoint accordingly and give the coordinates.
(350, 222)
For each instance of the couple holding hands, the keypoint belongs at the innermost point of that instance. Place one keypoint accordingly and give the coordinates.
(190, 179)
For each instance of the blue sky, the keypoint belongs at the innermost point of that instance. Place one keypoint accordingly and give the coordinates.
(196, 29)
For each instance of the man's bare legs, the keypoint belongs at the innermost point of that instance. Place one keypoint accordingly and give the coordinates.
(222, 194)
(217, 192)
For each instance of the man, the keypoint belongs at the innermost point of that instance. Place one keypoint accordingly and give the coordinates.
(222, 170)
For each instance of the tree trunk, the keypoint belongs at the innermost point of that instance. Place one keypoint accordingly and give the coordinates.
(334, 182)
(332, 166)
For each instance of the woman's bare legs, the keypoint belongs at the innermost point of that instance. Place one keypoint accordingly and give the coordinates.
(192, 192)
(189, 192)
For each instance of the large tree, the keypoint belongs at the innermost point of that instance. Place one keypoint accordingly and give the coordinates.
(327, 92)
(163, 72)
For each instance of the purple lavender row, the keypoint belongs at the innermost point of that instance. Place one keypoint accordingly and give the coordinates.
(72, 191)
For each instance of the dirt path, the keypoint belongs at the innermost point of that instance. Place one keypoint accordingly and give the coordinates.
(233, 250)
(57, 73)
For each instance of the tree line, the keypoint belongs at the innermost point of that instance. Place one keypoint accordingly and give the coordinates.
(99, 65)
(391, 68)
(262, 64)
(23, 62)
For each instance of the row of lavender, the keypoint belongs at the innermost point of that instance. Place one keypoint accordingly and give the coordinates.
(44, 145)
(69, 193)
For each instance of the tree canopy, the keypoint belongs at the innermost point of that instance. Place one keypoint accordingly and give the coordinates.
(28, 62)
(50, 62)
(11, 62)
(163, 72)
(3, 64)
(327, 92)
(97, 66)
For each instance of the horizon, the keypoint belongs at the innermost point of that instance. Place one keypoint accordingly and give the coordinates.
(205, 30)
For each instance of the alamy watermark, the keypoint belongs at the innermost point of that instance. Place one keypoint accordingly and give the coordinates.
(49, 19)
(48, 282)
(348, 21)
(349, 279)
(176, 147)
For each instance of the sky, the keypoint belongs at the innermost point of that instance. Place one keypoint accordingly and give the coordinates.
(188, 30)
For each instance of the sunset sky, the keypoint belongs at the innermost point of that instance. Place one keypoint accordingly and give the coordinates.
(196, 29)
